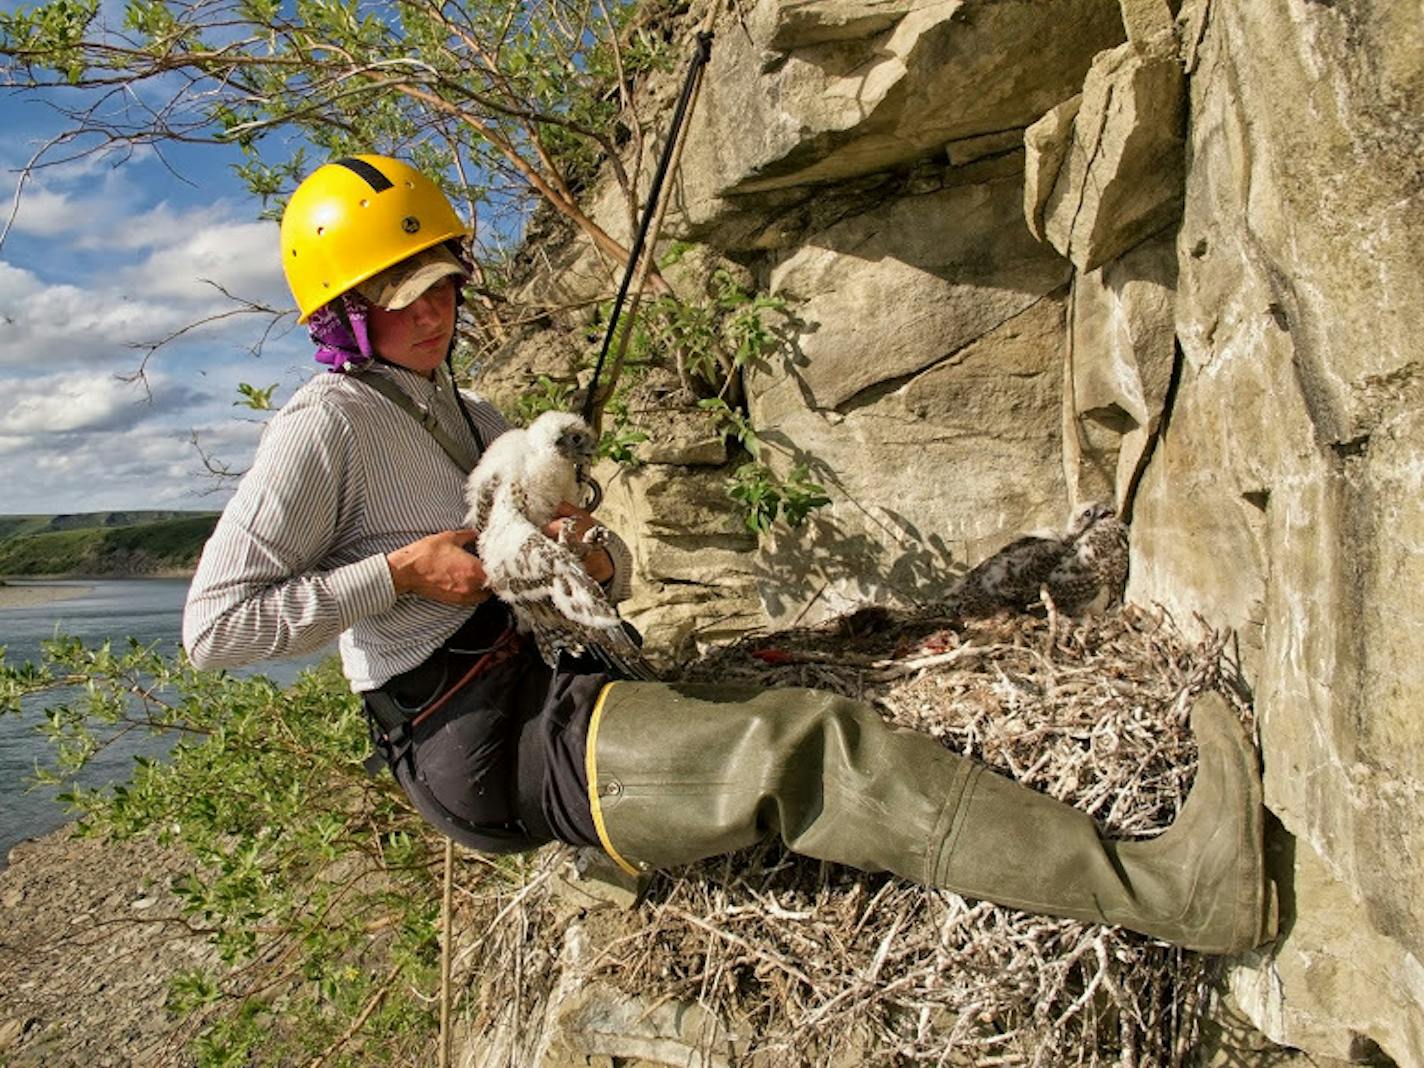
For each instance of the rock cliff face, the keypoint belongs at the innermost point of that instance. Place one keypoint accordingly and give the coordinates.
(1047, 251)
(1284, 499)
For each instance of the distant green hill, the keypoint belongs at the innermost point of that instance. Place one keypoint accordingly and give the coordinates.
(103, 543)
(12, 526)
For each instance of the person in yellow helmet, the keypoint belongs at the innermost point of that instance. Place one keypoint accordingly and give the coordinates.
(349, 523)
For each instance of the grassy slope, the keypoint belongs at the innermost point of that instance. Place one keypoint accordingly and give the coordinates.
(14, 526)
(137, 549)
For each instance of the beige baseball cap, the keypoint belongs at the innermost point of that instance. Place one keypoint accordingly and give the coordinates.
(400, 285)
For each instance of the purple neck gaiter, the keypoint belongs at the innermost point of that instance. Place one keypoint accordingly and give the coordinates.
(339, 332)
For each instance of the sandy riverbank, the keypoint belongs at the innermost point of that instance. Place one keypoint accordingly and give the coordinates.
(90, 936)
(26, 594)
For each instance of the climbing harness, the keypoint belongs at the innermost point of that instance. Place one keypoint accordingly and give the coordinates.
(426, 729)
(425, 416)
(394, 725)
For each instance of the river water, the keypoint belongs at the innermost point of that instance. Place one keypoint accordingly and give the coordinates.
(149, 610)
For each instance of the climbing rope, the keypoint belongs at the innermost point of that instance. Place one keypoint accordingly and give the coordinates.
(446, 933)
(690, 85)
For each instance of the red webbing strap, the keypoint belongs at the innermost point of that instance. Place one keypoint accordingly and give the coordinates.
(500, 651)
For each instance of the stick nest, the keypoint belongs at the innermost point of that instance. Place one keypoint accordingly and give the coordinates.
(804, 962)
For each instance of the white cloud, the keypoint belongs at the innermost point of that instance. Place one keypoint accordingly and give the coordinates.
(60, 163)
(46, 325)
(47, 213)
(38, 405)
(242, 257)
(158, 225)
(103, 259)
(81, 223)
(149, 466)
(98, 472)
(81, 196)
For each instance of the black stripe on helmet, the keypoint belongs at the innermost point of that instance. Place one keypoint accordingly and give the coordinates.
(374, 178)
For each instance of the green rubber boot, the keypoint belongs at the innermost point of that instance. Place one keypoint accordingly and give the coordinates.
(678, 773)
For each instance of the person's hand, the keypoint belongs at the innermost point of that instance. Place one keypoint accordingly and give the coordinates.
(597, 563)
(440, 568)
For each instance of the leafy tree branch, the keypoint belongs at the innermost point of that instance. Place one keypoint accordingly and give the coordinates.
(526, 99)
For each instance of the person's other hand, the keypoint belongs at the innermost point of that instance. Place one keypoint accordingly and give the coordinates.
(440, 567)
(597, 563)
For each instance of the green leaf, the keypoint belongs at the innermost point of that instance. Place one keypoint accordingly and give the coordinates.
(255, 398)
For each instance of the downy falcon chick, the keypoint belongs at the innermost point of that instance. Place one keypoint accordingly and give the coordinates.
(513, 493)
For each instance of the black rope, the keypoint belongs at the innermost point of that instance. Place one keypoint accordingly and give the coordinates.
(699, 60)
(460, 402)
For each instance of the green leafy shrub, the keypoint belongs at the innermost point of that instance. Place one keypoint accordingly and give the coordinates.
(316, 883)
(709, 340)
(546, 395)
(258, 398)
(762, 495)
(140, 548)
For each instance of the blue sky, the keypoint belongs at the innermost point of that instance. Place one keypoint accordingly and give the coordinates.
(104, 255)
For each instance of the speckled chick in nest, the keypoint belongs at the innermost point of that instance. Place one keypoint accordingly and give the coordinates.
(1084, 569)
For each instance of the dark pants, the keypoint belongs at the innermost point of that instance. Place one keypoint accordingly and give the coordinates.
(500, 766)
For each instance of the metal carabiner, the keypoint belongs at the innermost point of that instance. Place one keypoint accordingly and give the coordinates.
(595, 491)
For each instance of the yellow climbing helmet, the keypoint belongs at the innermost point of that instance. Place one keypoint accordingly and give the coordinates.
(353, 218)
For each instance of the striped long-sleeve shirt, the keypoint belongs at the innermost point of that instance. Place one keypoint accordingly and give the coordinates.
(341, 478)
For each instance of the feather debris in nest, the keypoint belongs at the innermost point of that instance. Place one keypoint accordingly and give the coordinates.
(812, 963)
